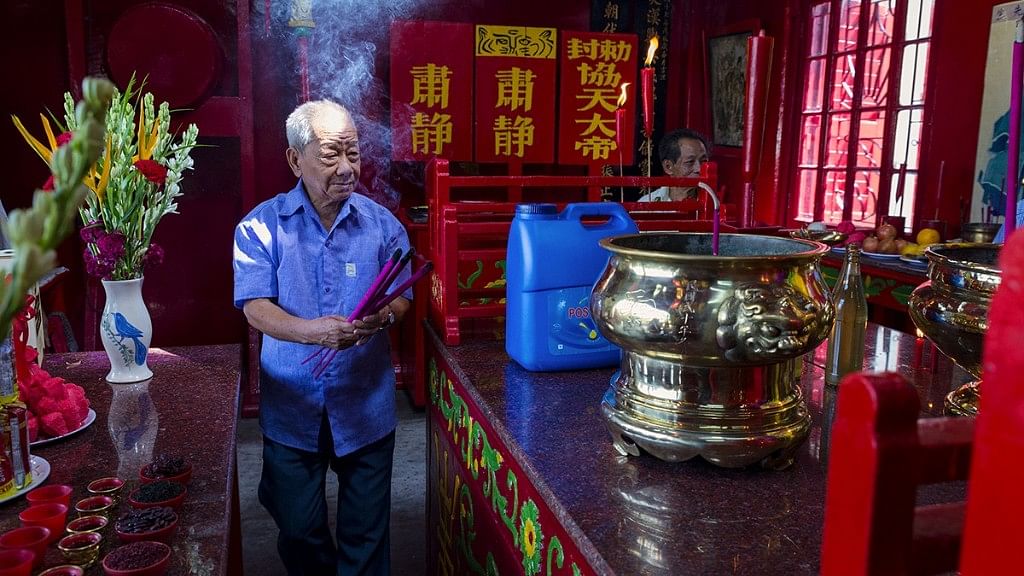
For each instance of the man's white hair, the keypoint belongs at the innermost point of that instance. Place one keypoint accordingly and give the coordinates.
(299, 125)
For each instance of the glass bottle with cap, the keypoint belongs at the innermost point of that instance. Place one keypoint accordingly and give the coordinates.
(846, 344)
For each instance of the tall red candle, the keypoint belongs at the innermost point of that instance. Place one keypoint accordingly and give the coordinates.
(647, 87)
(620, 128)
(759, 59)
(620, 118)
(647, 95)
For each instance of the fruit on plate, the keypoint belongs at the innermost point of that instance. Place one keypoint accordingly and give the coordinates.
(884, 241)
(928, 236)
(886, 232)
(55, 406)
(912, 249)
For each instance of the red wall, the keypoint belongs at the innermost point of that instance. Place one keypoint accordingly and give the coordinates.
(191, 293)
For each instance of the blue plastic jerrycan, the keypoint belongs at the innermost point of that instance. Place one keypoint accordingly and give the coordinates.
(553, 262)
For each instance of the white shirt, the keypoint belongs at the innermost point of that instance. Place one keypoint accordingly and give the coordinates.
(659, 195)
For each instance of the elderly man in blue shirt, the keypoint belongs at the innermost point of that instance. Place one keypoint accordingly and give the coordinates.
(302, 262)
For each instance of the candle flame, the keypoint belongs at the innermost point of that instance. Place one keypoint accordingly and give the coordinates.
(622, 96)
(652, 47)
(919, 333)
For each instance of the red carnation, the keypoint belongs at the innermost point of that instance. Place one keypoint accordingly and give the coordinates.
(64, 138)
(152, 170)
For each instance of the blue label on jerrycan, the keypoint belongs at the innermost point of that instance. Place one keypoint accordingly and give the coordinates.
(552, 264)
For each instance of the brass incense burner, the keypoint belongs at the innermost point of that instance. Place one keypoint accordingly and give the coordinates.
(951, 308)
(712, 345)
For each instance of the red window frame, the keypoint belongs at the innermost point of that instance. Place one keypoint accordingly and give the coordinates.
(881, 133)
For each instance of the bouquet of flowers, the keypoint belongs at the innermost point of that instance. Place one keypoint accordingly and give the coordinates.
(134, 183)
(54, 406)
(36, 232)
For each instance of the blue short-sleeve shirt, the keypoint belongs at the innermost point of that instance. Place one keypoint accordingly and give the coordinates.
(283, 253)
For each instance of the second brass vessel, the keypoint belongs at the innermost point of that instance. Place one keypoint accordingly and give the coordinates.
(951, 309)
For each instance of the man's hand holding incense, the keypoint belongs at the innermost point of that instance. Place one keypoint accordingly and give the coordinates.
(370, 324)
(335, 332)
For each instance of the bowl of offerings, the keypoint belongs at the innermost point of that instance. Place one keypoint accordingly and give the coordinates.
(711, 344)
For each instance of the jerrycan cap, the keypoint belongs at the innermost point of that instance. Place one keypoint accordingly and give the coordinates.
(538, 210)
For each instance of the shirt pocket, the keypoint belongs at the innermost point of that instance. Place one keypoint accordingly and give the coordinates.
(356, 279)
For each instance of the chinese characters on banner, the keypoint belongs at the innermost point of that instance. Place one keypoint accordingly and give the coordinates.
(594, 66)
(431, 90)
(515, 78)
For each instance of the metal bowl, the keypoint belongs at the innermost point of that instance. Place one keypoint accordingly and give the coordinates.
(711, 344)
(979, 232)
(830, 237)
(951, 309)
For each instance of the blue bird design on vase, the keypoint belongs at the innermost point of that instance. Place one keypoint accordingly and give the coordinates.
(124, 329)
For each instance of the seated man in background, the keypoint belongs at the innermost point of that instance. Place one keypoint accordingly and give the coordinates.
(682, 152)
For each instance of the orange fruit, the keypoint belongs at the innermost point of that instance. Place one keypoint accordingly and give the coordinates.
(928, 236)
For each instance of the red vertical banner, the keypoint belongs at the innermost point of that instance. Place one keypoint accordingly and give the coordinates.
(431, 90)
(594, 67)
(515, 78)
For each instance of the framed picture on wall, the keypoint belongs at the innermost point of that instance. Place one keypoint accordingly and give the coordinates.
(988, 199)
(726, 66)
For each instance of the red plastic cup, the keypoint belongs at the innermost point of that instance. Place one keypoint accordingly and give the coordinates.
(16, 562)
(50, 516)
(32, 538)
(58, 493)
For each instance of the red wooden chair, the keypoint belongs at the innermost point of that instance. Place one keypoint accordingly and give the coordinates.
(880, 454)
(994, 531)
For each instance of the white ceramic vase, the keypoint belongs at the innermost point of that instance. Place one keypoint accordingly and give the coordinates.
(126, 331)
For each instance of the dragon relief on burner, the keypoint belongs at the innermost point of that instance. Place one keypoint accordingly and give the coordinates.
(766, 322)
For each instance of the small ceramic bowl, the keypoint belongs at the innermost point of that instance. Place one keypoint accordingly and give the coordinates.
(110, 486)
(147, 477)
(174, 502)
(165, 534)
(51, 516)
(95, 506)
(58, 493)
(81, 549)
(95, 523)
(156, 568)
(34, 538)
(65, 570)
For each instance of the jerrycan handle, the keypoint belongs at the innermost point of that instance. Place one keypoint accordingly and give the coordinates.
(618, 218)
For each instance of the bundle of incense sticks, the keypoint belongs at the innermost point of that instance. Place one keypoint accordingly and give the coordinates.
(375, 299)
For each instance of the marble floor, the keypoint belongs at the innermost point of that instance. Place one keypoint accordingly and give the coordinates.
(408, 525)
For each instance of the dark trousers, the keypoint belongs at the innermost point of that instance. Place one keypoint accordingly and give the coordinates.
(292, 489)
